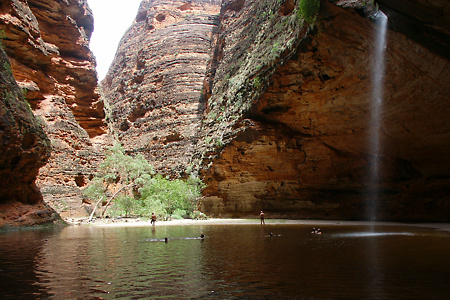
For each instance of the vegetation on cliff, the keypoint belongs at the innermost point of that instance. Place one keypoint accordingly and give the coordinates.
(273, 32)
(308, 9)
(130, 186)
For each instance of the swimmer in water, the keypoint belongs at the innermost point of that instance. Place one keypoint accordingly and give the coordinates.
(202, 237)
(166, 239)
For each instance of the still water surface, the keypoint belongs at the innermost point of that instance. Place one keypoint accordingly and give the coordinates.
(232, 262)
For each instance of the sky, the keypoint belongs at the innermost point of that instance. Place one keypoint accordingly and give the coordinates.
(111, 19)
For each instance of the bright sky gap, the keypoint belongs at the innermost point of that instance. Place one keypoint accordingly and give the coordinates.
(111, 19)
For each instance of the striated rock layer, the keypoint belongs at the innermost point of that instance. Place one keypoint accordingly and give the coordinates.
(153, 90)
(47, 44)
(300, 148)
(274, 112)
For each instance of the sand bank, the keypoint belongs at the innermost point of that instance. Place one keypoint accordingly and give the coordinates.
(136, 222)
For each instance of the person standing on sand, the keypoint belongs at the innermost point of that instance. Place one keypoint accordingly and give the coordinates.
(261, 216)
(153, 221)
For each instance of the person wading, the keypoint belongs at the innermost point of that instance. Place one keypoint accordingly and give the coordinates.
(261, 216)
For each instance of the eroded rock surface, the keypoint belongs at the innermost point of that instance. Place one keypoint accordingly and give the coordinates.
(24, 148)
(154, 86)
(284, 125)
(272, 111)
(47, 44)
(303, 149)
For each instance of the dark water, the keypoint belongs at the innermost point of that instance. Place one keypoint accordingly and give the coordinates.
(233, 262)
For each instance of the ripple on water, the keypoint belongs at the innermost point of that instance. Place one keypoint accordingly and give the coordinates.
(232, 262)
(371, 234)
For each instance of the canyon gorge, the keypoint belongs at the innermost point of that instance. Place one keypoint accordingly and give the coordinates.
(267, 103)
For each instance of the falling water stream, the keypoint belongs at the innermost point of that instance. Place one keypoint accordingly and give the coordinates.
(378, 71)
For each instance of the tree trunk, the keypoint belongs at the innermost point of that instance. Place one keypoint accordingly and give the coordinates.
(113, 196)
(95, 207)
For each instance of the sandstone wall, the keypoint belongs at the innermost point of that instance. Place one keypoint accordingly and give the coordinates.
(274, 112)
(47, 44)
(255, 37)
(300, 148)
(24, 148)
(153, 89)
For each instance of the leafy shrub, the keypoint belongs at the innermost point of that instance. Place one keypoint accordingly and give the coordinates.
(308, 9)
(171, 195)
(126, 203)
(131, 185)
(257, 82)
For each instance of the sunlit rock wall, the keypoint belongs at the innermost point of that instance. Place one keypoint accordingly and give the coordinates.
(153, 90)
(300, 147)
(48, 46)
(47, 43)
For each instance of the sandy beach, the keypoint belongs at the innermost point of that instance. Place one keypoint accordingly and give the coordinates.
(137, 222)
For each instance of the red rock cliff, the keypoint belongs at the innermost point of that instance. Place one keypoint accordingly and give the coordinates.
(47, 44)
(153, 89)
(274, 111)
(24, 148)
(300, 148)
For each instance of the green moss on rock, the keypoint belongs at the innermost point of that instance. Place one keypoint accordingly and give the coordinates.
(253, 42)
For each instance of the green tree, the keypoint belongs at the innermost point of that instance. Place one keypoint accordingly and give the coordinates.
(124, 169)
(119, 174)
(135, 189)
(167, 196)
(126, 203)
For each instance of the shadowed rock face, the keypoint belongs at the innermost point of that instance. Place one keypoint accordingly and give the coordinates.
(154, 86)
(303, 148)
(424, 22)
(47, 44)
(284, 125)
(24, 148)
(274, 115)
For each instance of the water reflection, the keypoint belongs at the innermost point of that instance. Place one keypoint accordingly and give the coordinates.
(370, 234)
(20, 251)
(236, 261)
(125, 262)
